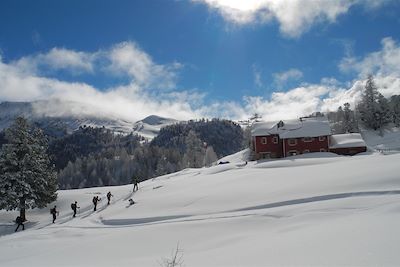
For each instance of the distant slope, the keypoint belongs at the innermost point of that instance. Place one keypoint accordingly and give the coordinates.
(44, 114)
(56, 122)
(150, 126)
(387, 140)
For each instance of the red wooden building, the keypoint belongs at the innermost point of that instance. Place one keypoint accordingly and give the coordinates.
(295, 137)
(347, 144)
(287, 138)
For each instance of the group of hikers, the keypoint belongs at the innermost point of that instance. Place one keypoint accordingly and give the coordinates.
(74, 206)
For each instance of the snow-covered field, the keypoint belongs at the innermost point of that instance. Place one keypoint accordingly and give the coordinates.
(320, 209)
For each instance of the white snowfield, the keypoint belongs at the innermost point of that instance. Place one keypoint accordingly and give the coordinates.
(318, 209)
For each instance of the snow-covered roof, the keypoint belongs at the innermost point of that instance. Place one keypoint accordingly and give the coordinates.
(262, 128)
(306, 127)
(346, 140)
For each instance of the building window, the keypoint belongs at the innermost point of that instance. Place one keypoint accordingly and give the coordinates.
(322, 150)
(292, 142)
(306, 151)
(307, 139)
(322, 138)
(292, 152)
(264, 140)
(275, 139)
(265, 155)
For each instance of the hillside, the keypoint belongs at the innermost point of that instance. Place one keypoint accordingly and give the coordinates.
(321, 209)
(150, 126)
(58, 122)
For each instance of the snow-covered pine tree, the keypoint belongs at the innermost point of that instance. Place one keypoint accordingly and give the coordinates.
(384, 113)
(368, 108)
(339, 114)
(349, 122)
(210, 157)
(194, 154)
(27, 179)
(395, 109)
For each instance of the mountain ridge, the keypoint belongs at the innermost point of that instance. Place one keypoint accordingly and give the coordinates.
(44, 113)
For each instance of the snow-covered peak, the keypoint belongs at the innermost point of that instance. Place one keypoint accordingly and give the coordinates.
(150, 126)
(48, 115)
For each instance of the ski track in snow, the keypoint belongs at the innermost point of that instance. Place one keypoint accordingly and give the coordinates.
(126, 222)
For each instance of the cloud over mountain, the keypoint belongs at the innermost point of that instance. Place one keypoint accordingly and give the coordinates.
(152, 88)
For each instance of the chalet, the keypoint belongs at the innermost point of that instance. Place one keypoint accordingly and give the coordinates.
(347, 144)
(292, 137)
(306, 135)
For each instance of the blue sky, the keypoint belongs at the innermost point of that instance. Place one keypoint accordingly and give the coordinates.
(187, 59)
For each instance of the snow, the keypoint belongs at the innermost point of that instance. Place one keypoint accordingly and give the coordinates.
(150, 126)
(307, 127)
(388, 140)
(346, 140)
(317, 209)
(46, 113)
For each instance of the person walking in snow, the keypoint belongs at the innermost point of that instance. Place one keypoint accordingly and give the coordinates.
(54, 212)
(109, 195)
(74, 206)
(20, 222)
(95, 200)
(135, 184)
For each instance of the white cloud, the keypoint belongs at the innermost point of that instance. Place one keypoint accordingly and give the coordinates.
(134, 100)
(329, 94)
(381, 63)
(257, 76)
(293, 16)
(22, 81)
(128, 58)
(281, 78)
(123, 59)
(291, 104)
(57, 59)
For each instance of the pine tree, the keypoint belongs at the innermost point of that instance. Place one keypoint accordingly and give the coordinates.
(385, 113)
(373, 108)
(339, 114)
(194, 154)
(349, 122)
(395, 109)
(210, 156)
(27, 179)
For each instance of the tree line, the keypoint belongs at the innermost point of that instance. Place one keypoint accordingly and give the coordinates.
(373, 112)
(98, 157)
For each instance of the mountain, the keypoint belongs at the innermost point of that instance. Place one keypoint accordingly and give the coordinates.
(57, 121)
(150, 126)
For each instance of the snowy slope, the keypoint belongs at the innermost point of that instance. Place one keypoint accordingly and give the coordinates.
(49, 116)
(45, 113)
(316, 210)
(150, 126)
(388, 140)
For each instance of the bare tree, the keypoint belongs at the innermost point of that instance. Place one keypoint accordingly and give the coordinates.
(176, 258)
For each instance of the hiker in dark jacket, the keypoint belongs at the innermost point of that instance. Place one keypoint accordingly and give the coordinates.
(74, 206)
(20, 221)
(54, 212)
(135, 185)
(109, 195)
(95, 200)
